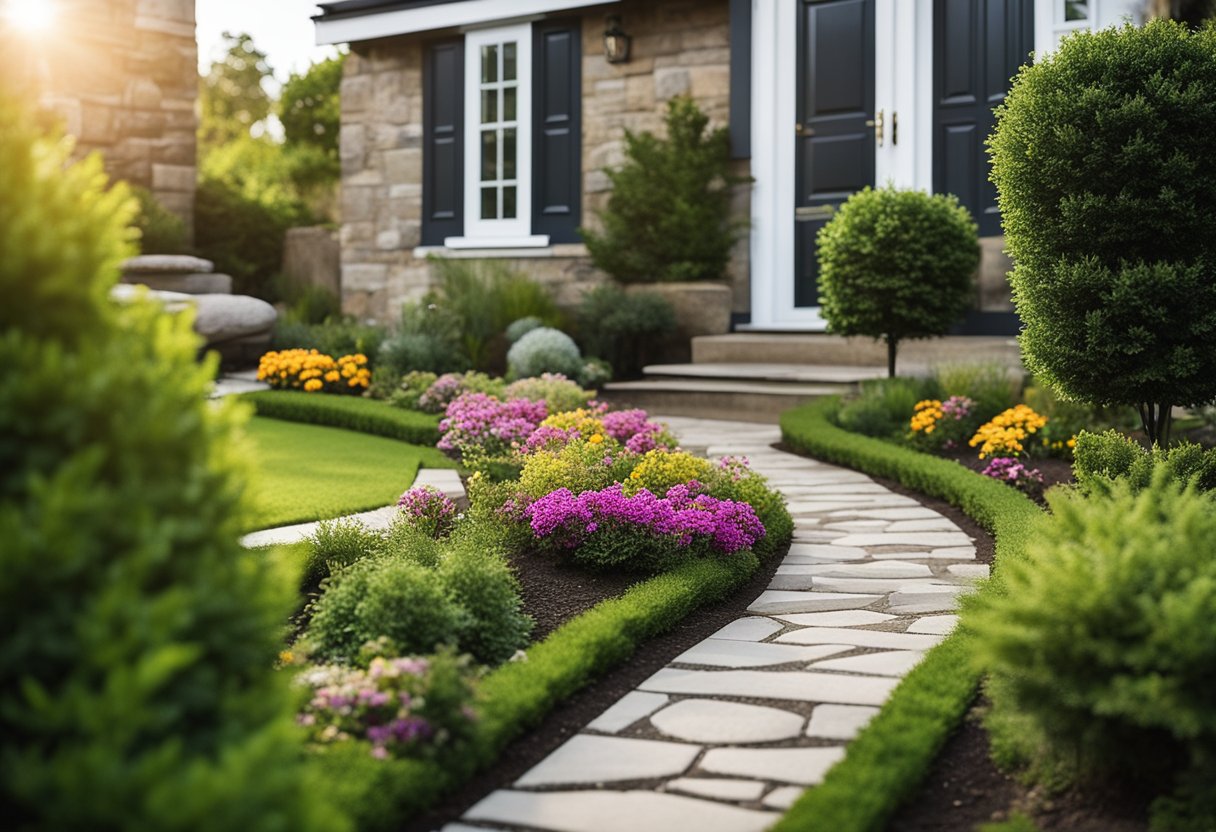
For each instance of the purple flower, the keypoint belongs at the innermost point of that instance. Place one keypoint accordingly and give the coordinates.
(685, 514)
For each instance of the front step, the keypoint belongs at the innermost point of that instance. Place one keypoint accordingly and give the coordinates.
(819, 348)
(767, 371)
(747, 401)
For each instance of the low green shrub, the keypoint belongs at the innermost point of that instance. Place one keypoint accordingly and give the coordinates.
(403, 391)
(628, 330)
(337, 544)
(486, 589)
(542, 351)
(884, 407)
(1101, 459)
(428, 339)
(381, 597)
(1102, 644)
(363, 415)
(419, 593)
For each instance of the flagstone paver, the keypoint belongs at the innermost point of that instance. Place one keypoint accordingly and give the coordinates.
(720, 739)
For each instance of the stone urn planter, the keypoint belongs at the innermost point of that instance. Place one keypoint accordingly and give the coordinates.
(702, 308)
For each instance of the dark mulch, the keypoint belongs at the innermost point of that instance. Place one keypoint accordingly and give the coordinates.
(554, 591)
(964, 789)
(1055, 471)
(568, 718)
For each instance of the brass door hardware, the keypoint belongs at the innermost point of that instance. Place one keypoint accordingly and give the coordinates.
(876, 123)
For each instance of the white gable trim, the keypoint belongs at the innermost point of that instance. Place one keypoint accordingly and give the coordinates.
(442, 16)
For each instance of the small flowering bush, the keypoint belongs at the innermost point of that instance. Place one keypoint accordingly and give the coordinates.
(1006, 433)
(634, 430)
(1012, 472)
(427, 509)
(480, 425)
(586, 420)
(642, 532)
(314, 372)
(402, 707)
(579, 465)
(557, 391)
(450, 386)
(943, 424)
(659, 470)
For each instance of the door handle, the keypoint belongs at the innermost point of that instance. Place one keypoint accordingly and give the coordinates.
(802, 130)
(876, 123)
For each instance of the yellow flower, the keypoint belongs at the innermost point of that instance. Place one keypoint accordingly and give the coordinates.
(313, 385)
(595, 439)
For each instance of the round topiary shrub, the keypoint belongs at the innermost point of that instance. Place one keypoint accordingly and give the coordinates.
(544, 350)
(896, 265)
(1101, 648)
(1103, 161)
(137, 688)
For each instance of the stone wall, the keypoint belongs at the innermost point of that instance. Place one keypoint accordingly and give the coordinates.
(123, 77)
(679, 47)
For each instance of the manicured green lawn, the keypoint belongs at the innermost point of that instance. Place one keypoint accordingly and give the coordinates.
(308, 472)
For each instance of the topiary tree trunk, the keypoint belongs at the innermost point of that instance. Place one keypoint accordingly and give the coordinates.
(137, 688)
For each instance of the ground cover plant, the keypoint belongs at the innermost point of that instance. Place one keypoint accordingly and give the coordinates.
(125, 594)
(1105, 177)
(309, 472)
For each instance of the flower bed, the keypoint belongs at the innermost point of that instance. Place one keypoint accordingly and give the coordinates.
(436, 581)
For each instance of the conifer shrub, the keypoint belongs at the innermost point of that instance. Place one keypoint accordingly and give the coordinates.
(1101, 650)
(1101, 459)
(897, 265)
(668, 218)
(137, 688)
(1106, 178)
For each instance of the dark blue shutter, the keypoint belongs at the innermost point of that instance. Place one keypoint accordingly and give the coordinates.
(443, 142)
(557, 132)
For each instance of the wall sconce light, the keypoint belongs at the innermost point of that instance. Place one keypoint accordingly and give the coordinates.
(616, 42)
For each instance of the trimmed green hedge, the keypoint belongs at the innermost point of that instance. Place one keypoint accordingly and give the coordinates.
(887, 762)
(381, 795)
(363, 415)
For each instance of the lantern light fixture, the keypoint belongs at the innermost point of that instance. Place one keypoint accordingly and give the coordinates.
(616, 42)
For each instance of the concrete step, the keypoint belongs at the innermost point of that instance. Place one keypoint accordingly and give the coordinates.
(820, 348)
(747, 401)
(831, 374)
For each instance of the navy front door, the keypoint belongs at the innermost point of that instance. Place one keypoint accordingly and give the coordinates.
(835, 129)
(978, 47)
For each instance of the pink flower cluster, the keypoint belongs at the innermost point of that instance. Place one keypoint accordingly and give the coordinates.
(442, 392)
(1011, 471)
(636, 432)
(549, 437)
(480, 422)
(957, 407)
(428, 508)
(685, 514)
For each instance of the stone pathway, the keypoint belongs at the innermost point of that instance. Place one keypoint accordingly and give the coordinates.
(731, 732)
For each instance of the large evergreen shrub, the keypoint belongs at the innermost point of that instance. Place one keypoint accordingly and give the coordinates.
(668, 218)
(1103, 160)
(896, 265)
(136, 680)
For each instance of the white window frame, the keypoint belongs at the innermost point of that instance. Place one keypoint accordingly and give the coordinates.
(502, 233)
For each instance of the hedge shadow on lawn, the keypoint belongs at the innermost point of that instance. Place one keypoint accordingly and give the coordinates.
(885, 765)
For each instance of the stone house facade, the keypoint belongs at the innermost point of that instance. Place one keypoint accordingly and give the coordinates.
(481, 128)
(122, 76)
